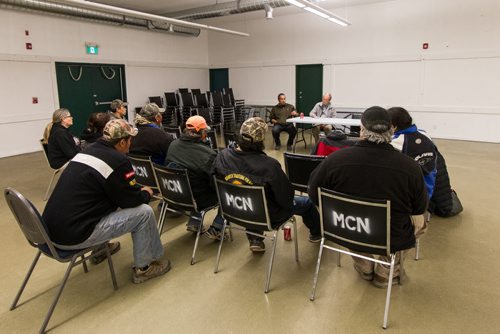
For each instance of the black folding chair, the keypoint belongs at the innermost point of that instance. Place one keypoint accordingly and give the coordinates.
(174, 131)
(34, 229)
(144, 174)
(177, 196)
(156, 99)
(212, 139)
(299, 167)
(55, 171)
(361, 225)
(229, 139)
(196, 91)
(246, 206)
(183, 90)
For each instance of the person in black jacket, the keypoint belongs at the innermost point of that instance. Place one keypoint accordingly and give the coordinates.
(151, 140)
(372, 168)
(82, 210)
(248, 164)
(191, 153)
(95, 126)
(61, 145)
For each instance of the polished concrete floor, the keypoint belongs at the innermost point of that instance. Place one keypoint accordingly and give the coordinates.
(452, 289)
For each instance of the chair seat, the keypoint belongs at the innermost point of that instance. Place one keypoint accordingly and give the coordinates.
(64, 254)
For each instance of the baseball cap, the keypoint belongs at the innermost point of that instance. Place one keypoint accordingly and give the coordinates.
(151, 110)
(117, 103)
(376, 119)
(253, 129)
(197, 123)
(117, 129)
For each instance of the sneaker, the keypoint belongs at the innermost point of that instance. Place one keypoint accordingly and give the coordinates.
(382, 282)
(114, 247)
(289, 148)
(315, 238)
(257, 246)
(155, 269)
(215, 234)
(194, 229)
(277, 147)
(365, 276)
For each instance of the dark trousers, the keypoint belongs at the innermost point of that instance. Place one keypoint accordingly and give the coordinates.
(278, 128)
(304, 207)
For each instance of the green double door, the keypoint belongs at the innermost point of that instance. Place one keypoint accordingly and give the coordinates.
(308, 86)
(87, 88)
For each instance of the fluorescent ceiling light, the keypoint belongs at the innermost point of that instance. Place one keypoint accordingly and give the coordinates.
(335, 20)
(317, 12)
(296, 3)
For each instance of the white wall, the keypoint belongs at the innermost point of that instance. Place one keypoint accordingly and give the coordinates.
(154, 63)
(451, 89)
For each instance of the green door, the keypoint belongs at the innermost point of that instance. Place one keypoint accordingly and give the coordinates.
(219, 79)
(308, 86)
(88, 88)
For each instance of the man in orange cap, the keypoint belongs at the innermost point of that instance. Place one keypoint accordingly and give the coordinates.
(190, 152)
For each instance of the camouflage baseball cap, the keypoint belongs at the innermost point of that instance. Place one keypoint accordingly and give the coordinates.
(254, 129)
(150, 110)
(115, 104)
(117, 129)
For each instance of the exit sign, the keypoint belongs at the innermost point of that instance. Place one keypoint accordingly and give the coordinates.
(92, 49)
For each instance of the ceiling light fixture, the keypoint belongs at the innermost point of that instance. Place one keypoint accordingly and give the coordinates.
(317, 10)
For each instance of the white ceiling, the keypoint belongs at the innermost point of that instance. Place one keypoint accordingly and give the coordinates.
(166, 6)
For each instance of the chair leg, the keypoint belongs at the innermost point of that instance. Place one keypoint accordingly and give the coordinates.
(47, 193)
(111, 268)
(163, 214)
(230, 233)
(339, 264)
(316, 272)
(84, 264)
(417, 250)
(296, 238)
(271, 262)
(389, 289)
(58, 295)
(402, 272)
(160, 216)
(217, 260)
(200, 227)
(25, 281)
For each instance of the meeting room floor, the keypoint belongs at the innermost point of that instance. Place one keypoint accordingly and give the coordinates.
(452, 289)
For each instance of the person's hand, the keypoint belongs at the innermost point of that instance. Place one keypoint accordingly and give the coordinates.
(274, 121)
(149, 190)
(295, 113)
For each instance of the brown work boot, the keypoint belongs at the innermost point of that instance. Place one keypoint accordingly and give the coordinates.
(362, 274)
(382, 282)
(155, 268)
(114, 247)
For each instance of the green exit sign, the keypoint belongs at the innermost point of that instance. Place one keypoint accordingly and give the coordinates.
(92, 49)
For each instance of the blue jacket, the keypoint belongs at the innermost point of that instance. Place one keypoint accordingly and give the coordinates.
(418, 145)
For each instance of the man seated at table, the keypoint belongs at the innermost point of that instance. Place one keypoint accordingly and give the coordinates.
(279, 114)
(374, 169)
(248, 164)
(323, 109)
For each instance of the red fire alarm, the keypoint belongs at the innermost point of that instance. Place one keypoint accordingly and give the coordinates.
(29, 46)
(34, 100)
(425, 46)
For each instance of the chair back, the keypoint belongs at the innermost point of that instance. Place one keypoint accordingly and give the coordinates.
(175, 188)
(196, 91)
(212, 139)
(243, 205)
(187, 99)
(45, 148)
(226, 99)
(170, 100)
(217, 99)
(201, 100)
(174, 131)
(230, 139)
(143, 168)
(29, 220)
(156, 99)
(299, 167)
(229, 92)
(360, 224)
(183, 90)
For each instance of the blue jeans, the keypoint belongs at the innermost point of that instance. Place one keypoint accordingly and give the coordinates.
(194, 220)
(304, 207)
(140, 221)
(289, 128)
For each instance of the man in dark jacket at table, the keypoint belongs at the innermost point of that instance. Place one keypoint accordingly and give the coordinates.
(372, 168)
(279, 114)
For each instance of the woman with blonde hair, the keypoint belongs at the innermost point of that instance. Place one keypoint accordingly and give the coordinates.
(61, 145)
